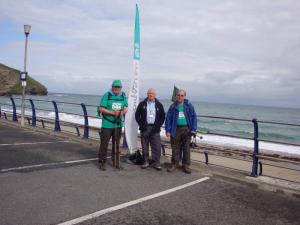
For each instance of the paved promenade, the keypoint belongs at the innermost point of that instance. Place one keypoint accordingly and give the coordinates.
(53, 180)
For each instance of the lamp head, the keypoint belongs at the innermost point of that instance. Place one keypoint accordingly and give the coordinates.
(27, 29)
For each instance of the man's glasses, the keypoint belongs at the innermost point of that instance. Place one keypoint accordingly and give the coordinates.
(116, 86)
(180, 95)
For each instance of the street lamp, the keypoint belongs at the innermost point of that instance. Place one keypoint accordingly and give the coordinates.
(23, 75)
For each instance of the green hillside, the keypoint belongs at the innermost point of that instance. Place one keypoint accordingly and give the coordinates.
(10, 83)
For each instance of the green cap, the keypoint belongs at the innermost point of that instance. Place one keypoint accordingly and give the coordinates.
(116, 83)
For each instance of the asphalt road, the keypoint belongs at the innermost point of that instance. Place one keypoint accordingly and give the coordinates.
(55, 191)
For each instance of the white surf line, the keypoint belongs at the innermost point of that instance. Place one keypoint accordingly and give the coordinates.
(134, 202)
(35, 143)
(46, 164)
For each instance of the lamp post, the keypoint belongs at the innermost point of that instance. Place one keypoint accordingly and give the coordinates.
(23, 76)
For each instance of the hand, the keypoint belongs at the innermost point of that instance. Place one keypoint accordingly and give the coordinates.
(117, 113)
(168, 134)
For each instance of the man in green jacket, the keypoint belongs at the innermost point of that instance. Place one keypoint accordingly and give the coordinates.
(113, 107)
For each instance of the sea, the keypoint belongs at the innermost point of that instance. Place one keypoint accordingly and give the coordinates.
(214, 130)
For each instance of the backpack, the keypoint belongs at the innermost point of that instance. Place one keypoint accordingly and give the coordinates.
(136, 158)
(109, 98)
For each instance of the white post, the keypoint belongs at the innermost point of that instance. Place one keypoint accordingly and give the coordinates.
(26, 31)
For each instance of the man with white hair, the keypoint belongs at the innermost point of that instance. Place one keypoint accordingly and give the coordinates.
(150, 116)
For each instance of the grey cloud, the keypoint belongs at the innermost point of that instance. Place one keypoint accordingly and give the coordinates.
(230, 51)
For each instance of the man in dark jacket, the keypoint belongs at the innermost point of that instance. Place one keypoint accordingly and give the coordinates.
(181, 123)
(150, 116)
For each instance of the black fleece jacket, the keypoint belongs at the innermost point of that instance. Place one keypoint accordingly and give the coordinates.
(141, 116)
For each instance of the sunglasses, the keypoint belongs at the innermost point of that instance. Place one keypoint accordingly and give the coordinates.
(180, 95)
(116, 86)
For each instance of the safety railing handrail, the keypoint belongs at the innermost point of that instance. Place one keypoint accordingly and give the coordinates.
(224, 118)
(69, 103)
(203, 116)
(227, 135)
(278, 123)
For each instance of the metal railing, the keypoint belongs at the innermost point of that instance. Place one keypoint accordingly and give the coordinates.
(257, 166)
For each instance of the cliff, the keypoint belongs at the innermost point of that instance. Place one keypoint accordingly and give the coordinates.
(10, 83)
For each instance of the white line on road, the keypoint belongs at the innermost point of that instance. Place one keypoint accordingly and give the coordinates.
(36, 143)
(47, 164)
(134, 202)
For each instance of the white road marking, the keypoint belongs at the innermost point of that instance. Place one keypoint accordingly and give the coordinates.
(134, 202)
(36, 143)
(47, 164)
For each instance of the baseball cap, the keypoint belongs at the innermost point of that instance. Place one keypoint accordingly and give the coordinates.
(116, 83)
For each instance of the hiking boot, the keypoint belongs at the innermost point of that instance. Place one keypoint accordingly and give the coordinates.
(172, 168)
(157, 166)
(186, 169)
(145, 165)
(102, 166)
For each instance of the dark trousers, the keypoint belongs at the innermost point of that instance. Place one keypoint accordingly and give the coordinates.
(154, 140)
(106, 134)
(182, 138)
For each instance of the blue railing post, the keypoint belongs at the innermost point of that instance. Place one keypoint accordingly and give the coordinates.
(33, 123)
(86, 122)
(163, 150)
(56, 126)
(124, 141)
(43, 124)
(256, 149)
(206, 157)
(260, 168)
(14, 118)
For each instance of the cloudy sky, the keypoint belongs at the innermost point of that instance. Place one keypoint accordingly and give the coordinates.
(242, 52)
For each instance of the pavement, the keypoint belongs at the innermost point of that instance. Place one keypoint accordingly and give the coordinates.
(49, 179)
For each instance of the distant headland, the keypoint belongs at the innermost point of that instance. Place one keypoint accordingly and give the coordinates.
(10, 83)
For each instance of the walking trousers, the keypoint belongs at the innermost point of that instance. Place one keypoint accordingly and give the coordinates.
(155, 143)
(182, 139)
(106, 134)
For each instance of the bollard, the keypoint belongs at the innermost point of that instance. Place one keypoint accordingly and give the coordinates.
(14, 117)
(86, 122)
(56, 126)
(206, 157)
(256, 150)
(33, 123)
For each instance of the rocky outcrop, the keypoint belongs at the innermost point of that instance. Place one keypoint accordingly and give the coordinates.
(10, 83)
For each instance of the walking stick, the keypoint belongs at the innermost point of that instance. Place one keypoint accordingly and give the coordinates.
(115, 147)
(117, 152)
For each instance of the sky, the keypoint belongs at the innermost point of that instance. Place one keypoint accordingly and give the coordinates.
(235, 51)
